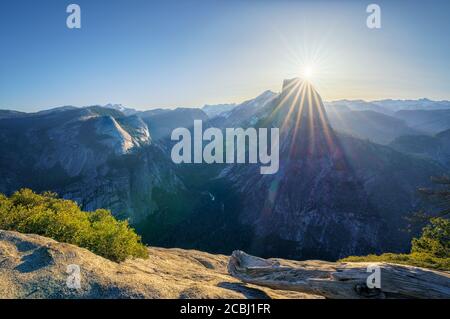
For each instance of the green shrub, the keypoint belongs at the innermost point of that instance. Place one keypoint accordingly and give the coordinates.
(431, 250)
(46, 215)
(435, 239)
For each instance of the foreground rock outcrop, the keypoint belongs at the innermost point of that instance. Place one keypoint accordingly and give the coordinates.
(340, 280)
(32, 266)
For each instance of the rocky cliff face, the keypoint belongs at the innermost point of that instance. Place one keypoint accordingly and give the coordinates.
(334, 195)
(96, 156)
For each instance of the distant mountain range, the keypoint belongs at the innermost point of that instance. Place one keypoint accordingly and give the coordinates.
(218, 109)
(348, 174)
(382, 123)
(391, 106)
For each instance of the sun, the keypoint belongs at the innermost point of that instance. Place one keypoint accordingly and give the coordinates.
(308, 72)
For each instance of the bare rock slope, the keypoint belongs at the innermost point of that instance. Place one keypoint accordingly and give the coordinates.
(32, 266)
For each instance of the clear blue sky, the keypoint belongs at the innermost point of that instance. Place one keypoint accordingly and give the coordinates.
(148, 54)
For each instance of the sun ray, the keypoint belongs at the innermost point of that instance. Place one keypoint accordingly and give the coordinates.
(325, 123)
(292, 107)
(290, 90)
(298, 118)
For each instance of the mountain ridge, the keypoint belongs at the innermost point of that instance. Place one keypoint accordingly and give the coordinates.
(327, 198)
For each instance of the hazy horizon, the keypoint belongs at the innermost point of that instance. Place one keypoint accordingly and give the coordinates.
(38, 109)
(149, 55)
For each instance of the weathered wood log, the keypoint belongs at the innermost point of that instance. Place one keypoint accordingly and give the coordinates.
(340, 280)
